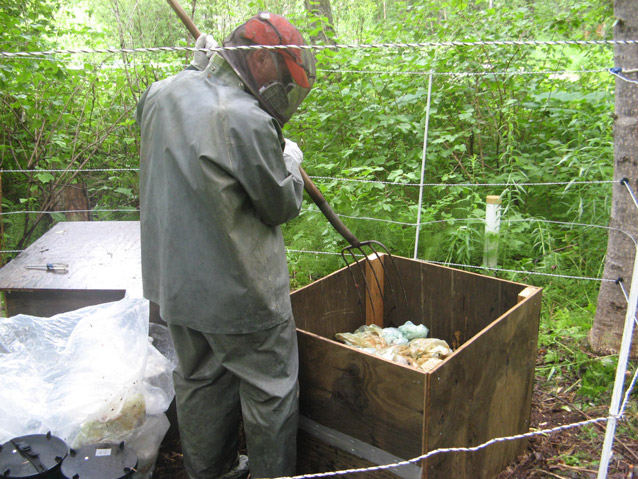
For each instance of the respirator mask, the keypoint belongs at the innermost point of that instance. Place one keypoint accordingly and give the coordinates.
(295, 67)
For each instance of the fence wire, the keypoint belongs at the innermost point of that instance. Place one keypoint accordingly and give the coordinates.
(374, 46)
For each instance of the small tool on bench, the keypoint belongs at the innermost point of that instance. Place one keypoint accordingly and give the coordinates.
(58, 268)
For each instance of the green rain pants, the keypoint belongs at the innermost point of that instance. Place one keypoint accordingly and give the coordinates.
(222, 377)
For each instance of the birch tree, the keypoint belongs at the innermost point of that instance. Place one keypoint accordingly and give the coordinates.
(606, 333)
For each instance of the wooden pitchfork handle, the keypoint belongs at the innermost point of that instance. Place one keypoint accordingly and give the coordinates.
(309, 186)
(186, 20)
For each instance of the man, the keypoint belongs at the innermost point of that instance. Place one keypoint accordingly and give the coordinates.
(215, 185)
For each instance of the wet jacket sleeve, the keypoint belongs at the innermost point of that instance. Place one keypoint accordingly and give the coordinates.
(255, 153)
(140, 108)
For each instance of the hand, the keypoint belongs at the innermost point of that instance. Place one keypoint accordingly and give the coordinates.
(201, 59)
(292, 152)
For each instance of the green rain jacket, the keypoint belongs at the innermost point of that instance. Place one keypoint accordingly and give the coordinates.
(214, 187)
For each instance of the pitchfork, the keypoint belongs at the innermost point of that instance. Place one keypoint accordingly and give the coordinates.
(356, 247)
(349, 253)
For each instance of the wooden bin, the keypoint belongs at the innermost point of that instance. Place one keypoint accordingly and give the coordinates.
(359, 410)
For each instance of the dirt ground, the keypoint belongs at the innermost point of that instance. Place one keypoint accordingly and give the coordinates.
(564, 454)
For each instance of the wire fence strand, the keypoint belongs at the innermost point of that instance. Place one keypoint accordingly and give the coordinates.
(375, 46)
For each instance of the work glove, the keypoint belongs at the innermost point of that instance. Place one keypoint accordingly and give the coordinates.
(201, 59)
(292, 153)
(293, 156)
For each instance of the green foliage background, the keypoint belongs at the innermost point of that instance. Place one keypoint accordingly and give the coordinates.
(494, 127)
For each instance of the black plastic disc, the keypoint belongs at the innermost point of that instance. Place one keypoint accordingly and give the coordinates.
(100, 461)
(32, 456)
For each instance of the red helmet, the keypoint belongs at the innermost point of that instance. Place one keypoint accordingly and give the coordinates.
(293, 68)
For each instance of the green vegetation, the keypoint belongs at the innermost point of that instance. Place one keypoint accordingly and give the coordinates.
(491, 122)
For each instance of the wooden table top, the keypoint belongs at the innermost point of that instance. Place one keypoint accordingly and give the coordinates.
(101, 255)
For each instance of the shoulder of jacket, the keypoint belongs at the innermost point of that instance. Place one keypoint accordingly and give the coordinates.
(243, 106)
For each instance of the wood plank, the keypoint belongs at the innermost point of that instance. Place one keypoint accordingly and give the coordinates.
(484, 391)
(526, 293)
(330, 305)
(403, 299)
(315, 456)
(46, 303)
(361, 453)
(363, 396)
(455, 305)
(101, 255)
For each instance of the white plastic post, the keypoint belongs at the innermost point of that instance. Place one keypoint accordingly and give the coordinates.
(621, 370)
(492, 227)
(423, 158)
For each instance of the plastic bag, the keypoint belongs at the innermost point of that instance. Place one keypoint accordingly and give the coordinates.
(406, 345)
(413, 331)
(429, 348)
(365, 337)
(88, 376)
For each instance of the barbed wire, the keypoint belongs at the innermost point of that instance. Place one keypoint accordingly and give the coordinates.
(96, 210)
(176, 66)
(505, 220)
(69, 170)
(472, 266)
(632, 384)
(363, 218)
(504, 184)
(628, 392)
(465, 73)
(443, 263)
(314, 210)
(625, 183)
(396, 45)
(514, 271)
(353, 180)
(304, 251)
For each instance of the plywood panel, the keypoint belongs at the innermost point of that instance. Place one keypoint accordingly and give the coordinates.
(400, 293)
(330, 305)
(316, 456)
(448, 300)
(48, 303)
(373, 400)
(482, 392)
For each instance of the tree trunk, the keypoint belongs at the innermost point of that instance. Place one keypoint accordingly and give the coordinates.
(321, 9)
(74, 201)
(606, 333)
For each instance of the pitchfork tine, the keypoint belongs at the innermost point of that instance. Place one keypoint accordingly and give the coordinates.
(363, 273)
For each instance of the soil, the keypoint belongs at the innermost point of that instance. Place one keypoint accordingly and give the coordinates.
(568, 453)
(574, 452)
